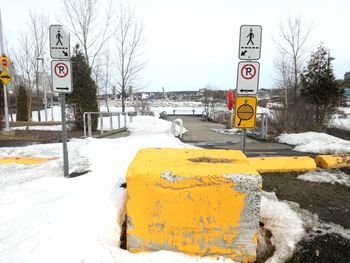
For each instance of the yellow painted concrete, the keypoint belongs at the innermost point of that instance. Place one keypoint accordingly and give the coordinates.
(283, 164)
(24, 160)
(182, 200)
(333, 161)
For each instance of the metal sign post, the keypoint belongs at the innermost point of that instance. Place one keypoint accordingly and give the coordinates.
(247, 79)
(61, 75)
(64, 135)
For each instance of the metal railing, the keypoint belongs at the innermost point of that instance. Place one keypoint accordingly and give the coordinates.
(260, 131)
(173, 127)
(87, 116)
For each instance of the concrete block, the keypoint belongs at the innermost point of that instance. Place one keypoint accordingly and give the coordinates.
(333, 161)
(282, 164)
(196, 201)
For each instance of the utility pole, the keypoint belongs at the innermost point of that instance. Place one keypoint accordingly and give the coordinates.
(6, 108)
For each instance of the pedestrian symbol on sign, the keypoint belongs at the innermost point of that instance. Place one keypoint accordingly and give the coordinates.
(251, 36)
(59, 36)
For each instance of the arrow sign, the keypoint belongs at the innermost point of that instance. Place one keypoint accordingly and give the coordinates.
(250, 42)
(247, 78)
(62, 88)
(59, 42)
(246, 90)
(61, 72)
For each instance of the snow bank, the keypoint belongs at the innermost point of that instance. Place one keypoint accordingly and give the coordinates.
(315, 142)
(48, 218)
(331, 177)
(285, 225)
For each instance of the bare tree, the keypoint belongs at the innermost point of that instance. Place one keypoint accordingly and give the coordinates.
(291, 42)
(24, 66)
(83, 23)
(39, 35)
(285, 75)
(32, 45)
(129, 44)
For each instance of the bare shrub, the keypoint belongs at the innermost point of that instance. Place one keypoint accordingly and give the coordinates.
(143, 107)
(299, 117)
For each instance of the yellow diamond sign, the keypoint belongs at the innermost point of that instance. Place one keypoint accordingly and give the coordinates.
(5, 77)
(245, 112)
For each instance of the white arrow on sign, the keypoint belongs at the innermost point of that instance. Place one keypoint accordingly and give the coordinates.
(247, 78)
(61, 72)
(59, 42)
(250, 42)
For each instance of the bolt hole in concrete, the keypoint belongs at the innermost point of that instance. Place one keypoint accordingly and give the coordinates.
(209, 160)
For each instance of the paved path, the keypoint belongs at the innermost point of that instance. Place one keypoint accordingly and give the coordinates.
(201, 133)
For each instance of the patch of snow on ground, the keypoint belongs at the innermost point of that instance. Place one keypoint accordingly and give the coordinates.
(227, 131)
(285, 225)
(315, 142)
(48, 218)
(331, 177)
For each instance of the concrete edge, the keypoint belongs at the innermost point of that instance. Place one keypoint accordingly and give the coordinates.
(333, 161)
(283, 164)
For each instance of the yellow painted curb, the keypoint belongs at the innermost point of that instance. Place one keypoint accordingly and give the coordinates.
(333, 161)
(283, 164)
(196, 201)
(25, 160)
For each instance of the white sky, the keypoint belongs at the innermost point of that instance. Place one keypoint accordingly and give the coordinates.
(194, 43)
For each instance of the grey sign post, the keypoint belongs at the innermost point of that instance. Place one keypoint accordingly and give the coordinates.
(248, 70)
(61, 75)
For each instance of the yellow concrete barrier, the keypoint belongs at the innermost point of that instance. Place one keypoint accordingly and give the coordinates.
(196, 201)
(333, 161)
(283, 164)
(25, 160)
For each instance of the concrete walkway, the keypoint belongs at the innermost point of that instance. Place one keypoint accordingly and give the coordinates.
(201, 133)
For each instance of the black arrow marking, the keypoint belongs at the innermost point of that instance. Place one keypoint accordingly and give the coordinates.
(65, 53)
(243, 52)
(5, 77)
(246, 90)
(62, 88)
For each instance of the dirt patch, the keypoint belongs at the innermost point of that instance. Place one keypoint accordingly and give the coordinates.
(330, 202)
(323, 249)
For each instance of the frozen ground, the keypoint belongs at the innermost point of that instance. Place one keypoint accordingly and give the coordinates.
(48, 218)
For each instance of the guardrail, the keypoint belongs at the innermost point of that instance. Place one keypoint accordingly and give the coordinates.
(87, 115)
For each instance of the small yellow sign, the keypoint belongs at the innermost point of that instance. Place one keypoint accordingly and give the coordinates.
(5, 77)
(5, 61)
(245, 112)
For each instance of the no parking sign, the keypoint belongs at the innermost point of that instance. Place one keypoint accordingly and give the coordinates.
(247, 78)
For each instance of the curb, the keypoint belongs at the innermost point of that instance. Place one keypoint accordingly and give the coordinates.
(284, 164)
(333, 161)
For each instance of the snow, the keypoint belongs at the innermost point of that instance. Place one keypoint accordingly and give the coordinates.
(285, 225)
(48, 218)
(39, 128)
(331, 177)
(315, 142)
(227, 131)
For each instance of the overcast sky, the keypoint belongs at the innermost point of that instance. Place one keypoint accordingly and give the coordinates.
(194, 43)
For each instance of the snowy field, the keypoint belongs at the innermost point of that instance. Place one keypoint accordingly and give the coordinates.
(48, 218)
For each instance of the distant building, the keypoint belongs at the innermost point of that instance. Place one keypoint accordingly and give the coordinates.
(347, 76)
